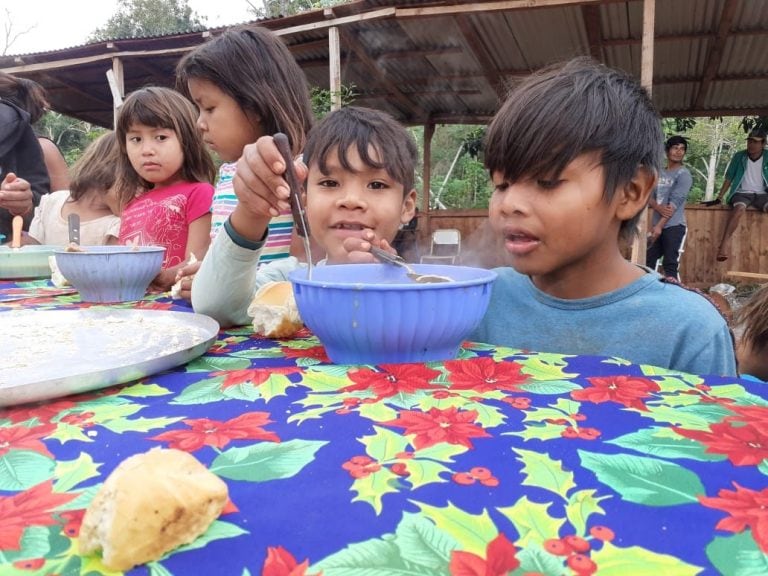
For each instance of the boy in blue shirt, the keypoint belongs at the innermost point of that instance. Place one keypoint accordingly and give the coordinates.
(574, 155)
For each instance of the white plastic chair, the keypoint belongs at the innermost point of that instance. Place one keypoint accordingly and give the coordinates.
(445, 246)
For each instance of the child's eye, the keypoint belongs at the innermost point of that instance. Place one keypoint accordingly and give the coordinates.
(501, 187)
(134, 139)
(548, 184)
(161, 137)
(378, 185)
(328, 183)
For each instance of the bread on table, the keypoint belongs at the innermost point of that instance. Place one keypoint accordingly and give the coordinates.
(274, 311)
(149, 505)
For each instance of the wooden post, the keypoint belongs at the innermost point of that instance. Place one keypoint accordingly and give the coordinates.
(646, 79)
(116, 82)
(429, 132)
(334, 63)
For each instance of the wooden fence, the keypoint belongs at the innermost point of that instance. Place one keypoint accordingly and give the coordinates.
(698, 268)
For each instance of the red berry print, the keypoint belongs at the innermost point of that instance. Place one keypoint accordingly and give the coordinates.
(557, 547)
(361, 460)
(442, 394)
(400, 469)
(491, 482)
(480, 473)
(578, 417)
(581, 564)
(589, 433)
(31, 564)
(602, 533)
(577, 543)
(463, 478)
(570, 432)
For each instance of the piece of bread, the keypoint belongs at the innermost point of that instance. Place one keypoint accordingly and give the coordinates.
(149, 505)
(274, 311)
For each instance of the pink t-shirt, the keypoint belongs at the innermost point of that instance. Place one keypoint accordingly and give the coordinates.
(161, 217)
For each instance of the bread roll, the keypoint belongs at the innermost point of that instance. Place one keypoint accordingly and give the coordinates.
(274, 311)
(149, 505)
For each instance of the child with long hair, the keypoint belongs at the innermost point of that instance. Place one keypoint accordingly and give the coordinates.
(90, 196)
(751, 320)
(164, 178)
(245, 84)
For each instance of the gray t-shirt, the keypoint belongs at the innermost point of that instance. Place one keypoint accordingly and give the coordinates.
(646, 322)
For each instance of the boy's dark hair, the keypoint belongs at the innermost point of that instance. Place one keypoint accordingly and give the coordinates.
(253, 66)
(570, 109)
(752, 318)
(674, 141)
(96, 168)
(362, 128)
(158, 107)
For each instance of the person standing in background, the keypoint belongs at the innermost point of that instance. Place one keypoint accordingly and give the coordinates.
(23, 175)
(668, 204)
(745, 180)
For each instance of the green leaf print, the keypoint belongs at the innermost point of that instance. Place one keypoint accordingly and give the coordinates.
(139, 424)
(738, 555)
(384, 445)
(372, 488)
(543, 472)
(372, 558)
(202, 392)
(763, 467)
(533, 522)
(656, 442)
(22, 469)
(614, 561)
(275, 385)
(425, 472)
(537, 432)
(534, 559)
(266, 461)
(141, 390)
(34, 544)
(472, 532)
(581, 505)
(552, 387)
(422, 543)
(546, 367)
(217, 531)
(442, 452)
(378, 412)
(70, 473)
(676, 417)
(643, 480)
(217, 364)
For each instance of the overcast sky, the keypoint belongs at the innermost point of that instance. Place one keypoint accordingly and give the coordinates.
(55, 24)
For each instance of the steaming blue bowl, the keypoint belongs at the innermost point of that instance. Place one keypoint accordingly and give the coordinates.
(111, 273)
(375, 314)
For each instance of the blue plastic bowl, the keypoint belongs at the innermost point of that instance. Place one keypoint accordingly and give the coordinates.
(375, 314)
(111, 273)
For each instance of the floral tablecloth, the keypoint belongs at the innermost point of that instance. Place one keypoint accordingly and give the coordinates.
(501, 461)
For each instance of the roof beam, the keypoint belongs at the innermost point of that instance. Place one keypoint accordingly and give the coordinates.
(591, 15)
(716, 51)
(481, 54)
(377, 74)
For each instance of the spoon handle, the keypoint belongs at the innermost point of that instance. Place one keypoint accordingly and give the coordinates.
(74, 228)
(387, 256)
(16, 226)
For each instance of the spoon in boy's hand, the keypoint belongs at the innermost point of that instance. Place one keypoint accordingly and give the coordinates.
(16, 226)
(410, 272)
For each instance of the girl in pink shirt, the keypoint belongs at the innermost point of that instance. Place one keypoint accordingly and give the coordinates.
(164, 179)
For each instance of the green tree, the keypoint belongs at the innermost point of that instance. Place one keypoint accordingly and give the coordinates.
(275, 8)
(137, 18)
(72, 136)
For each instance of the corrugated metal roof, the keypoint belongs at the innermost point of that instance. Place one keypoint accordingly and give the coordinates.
(451, 60)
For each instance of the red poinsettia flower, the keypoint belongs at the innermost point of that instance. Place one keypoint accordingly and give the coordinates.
(205, 432)
(626, 390)
(757, 416)
(484, 375)
(744, 445)
(280, 562)
(44, 412)
(315, 352)
(72, 521)
(392, 379)
(252, 376)
(747, 509)
(438, 426)
(23, 438)
(499, 560)
(32, 507)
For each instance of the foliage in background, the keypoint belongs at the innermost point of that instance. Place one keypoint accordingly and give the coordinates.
(137, 18)
(275, 8)
(72, 136)
(322, 97)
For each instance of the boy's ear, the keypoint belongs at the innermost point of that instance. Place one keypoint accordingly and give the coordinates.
(636, 192)
(409, 207)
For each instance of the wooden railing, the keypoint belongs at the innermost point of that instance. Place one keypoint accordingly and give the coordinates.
(698, 268)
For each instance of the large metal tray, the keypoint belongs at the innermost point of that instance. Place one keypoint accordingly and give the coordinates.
(50, 353)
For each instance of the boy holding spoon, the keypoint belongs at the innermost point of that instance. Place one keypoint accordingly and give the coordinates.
(360, 167)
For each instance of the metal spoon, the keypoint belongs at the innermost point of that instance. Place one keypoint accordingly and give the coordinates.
(297, 205)
(74, 228)
(410, 272)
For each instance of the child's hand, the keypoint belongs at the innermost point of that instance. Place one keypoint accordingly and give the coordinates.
(184, 277)
(359, 249)
(16, 195)
(259, 181)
